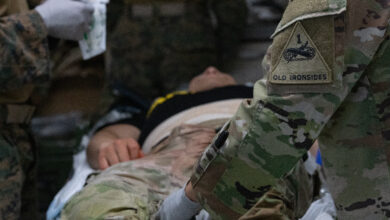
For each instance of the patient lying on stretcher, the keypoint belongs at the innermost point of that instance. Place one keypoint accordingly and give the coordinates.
(173, 135)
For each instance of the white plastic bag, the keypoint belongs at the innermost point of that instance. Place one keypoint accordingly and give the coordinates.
(322, 209)
(94, 42)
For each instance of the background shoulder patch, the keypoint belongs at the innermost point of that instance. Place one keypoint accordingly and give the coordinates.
(300, 62)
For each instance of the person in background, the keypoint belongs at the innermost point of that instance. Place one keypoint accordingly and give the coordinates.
(25, 62)
(162, 44)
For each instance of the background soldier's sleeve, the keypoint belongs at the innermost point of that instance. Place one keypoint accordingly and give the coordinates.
(24, 50)
(315, 62)
(231, 16)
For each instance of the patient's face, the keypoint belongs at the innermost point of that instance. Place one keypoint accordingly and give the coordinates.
(211, 78)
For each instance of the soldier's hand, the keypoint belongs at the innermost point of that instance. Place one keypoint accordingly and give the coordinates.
(120, 150)
(66, 19)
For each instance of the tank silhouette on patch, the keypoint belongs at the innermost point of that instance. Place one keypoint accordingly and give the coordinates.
(304, 52)
(300, 62)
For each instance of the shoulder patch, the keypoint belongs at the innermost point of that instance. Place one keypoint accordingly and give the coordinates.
(300, 62)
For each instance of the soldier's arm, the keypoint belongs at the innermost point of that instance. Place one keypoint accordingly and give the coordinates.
(113, 144)
(24, 50)
(272, 132)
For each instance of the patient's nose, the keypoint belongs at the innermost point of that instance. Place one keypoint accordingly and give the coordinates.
(211, 70)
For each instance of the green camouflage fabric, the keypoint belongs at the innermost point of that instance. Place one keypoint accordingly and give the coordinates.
(255, 166)
(136, 189)
(17, 167)
(162, 44)
(24, 60)
(24, 50)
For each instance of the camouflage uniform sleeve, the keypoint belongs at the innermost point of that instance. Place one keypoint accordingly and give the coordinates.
(24, 50)
(272, 132)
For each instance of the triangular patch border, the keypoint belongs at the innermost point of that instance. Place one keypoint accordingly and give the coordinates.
(329, 74)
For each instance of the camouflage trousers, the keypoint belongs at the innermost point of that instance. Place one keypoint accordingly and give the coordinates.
(17, 173)
(135, 189)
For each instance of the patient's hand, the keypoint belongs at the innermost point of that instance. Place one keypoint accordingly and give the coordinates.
(120, 150)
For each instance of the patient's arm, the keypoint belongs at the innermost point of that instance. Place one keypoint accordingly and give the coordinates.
(112, 145)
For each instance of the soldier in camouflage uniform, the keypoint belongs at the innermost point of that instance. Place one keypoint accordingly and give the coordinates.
(24, 62)
(328, 79)
(161, 44)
